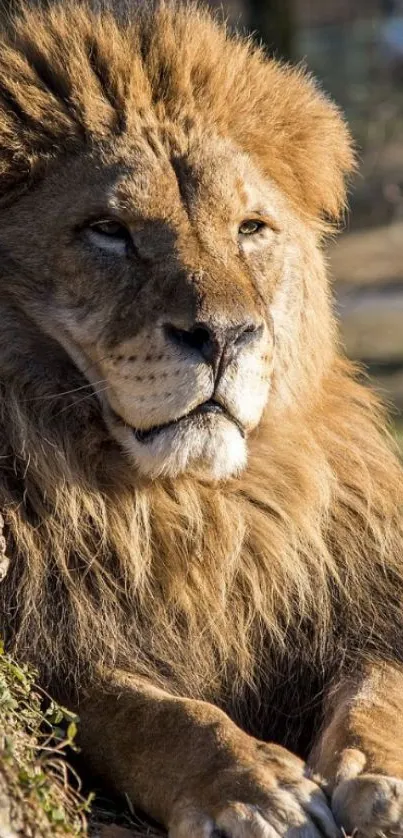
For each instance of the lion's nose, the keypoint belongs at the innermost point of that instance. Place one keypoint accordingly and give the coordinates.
(215, 342)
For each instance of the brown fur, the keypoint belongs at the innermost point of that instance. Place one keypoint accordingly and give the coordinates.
(257, 593)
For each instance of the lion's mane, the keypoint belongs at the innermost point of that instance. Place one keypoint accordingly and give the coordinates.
(185, 580)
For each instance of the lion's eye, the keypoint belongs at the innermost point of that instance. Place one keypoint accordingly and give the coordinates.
(110, 227)
(109, 234)
(250, 226)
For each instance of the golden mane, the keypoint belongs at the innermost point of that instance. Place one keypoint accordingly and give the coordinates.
(65, 81)
(305, 547)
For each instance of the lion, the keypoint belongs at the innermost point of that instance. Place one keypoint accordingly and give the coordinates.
(202, 508)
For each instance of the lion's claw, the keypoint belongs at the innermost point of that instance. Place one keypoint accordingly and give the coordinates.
(297, 809)
(369, 805)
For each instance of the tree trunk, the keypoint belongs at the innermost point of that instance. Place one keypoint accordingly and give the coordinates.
(274, 21)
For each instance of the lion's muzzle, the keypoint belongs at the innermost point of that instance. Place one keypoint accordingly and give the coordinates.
(217, 343)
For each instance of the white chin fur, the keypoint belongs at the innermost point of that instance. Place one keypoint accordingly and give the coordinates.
(214, 449)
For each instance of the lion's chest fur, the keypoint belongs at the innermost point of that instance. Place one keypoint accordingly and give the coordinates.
(254, 594)
(287, 708)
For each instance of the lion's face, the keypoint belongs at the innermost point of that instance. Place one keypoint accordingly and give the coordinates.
(164, 188)
(159, 273)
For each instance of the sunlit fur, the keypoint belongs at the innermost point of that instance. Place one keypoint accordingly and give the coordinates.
(184, 579)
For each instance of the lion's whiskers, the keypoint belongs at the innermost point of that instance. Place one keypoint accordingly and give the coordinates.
(67, 392)
(83, 399)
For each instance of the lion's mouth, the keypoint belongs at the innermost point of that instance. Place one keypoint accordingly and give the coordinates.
(208, 407)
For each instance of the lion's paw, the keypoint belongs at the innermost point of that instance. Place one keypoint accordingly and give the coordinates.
(369, 805)
(292, 806)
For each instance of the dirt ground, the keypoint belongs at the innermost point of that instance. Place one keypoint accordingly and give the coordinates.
(367, 271)
(368, 257)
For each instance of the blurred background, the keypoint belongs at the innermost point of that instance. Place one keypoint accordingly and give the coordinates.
(355, 48)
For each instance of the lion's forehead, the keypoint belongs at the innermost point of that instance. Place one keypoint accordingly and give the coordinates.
(208, 177)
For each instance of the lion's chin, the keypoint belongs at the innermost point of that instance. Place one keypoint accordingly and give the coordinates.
(212, 446)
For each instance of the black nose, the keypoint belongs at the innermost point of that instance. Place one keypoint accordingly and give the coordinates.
(214, 341)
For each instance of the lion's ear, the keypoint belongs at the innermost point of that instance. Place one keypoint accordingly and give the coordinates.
(300, 137)
(319, 147)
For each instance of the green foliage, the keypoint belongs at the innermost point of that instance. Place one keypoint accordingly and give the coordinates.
(41, 789)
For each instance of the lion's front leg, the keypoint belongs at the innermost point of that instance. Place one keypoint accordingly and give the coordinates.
(360, 753)
(189, 766)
